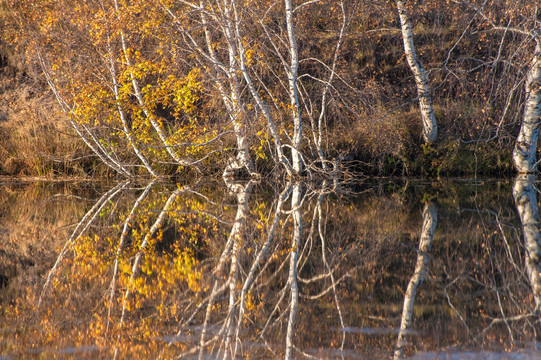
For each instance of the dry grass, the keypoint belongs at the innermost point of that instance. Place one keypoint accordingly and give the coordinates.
(34, 139)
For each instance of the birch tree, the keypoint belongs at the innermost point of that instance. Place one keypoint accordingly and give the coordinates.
(430, 126)
(223, 66)
(525, 152)
(522, 20)
(226, 23)
(155, 87)
(293, 91)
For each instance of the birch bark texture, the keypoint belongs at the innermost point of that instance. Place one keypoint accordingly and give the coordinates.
(293, 91)
(430, 126)
(524, 154)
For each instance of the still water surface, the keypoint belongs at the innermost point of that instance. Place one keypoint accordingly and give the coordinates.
(378, 270)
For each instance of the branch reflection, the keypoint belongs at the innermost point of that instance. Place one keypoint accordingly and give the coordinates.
(227, 272)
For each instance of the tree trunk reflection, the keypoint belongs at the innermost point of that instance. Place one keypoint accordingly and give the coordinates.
(294, 255)
(430, 218)
(526, 202)
(237, 271)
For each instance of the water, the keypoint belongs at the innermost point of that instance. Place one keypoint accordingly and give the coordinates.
(377, 270)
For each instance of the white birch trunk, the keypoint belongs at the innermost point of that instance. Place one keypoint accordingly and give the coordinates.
(123, 116)
(293, 92)
(430, 127)
(524, 154)
(526, 203)
(92, 142)
(430, 217)
(137, 92)
(318, 139)
(262, 106)
(227, 78)
(243, 159)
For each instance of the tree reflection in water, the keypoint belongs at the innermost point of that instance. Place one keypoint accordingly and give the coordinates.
(200, 272)
(526, 201)
(430, 218)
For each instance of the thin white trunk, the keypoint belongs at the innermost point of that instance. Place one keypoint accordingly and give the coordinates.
(93, 143)
(230, 79)
(524, 193)
(237, 115)
(137, 92)
(293, 92)
(123, 116)
(430, 127)
(319, 138)
(125, 128)
(430, 217)
(262, 106)
(524, 154)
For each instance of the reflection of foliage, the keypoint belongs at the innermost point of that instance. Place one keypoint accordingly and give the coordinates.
(217, 269)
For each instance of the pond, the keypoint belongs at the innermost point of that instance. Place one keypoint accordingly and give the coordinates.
(382, 269)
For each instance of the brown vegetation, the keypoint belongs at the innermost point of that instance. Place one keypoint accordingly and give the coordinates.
(34, 138)
(476, 69)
